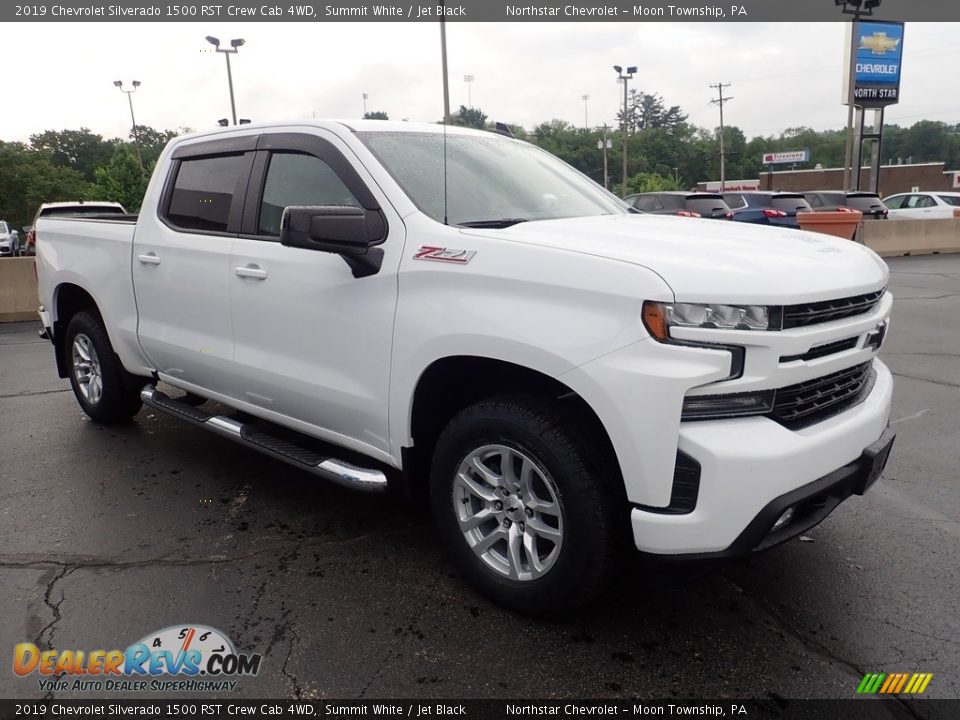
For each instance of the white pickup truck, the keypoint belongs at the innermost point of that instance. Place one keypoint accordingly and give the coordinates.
(459, 314)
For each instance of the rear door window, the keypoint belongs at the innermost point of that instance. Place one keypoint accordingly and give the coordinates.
(953, 200)
(203, 192)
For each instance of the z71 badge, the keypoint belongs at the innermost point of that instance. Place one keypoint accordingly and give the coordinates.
(451, 255)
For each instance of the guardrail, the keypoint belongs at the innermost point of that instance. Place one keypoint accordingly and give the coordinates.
(890, 238)
(18, 289)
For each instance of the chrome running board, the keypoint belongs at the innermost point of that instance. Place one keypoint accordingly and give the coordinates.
(329, 468)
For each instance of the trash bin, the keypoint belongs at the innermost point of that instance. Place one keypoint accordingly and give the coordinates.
(840, 224)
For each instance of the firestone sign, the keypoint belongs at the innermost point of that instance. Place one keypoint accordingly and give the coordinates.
(878, 60)
(786, 158)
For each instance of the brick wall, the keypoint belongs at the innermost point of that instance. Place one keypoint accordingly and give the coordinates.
(893, 179)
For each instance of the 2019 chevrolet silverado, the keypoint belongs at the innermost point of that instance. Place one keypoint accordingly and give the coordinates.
(460, 315)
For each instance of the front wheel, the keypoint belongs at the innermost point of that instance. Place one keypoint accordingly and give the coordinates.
(524, 505)
(105, 391)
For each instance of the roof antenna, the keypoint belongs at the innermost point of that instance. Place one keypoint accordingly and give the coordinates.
(446, 102)
(504, 129)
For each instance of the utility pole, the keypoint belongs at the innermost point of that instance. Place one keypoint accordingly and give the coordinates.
(365, 96)
(605, 145)
(721, 101)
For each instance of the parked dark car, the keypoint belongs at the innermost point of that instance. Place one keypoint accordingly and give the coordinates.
(767, 208)
(868, 203)
(683, 204)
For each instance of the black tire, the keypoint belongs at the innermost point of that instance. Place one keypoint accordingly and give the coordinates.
(119, 398)
(585, 484)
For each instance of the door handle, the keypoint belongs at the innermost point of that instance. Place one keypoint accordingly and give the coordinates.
(149, 259)
(251, 271)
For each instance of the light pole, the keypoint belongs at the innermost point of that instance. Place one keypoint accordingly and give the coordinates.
(365, 96)
(624, 78)
(586, 99)
(133, 122)
(443, 62)
(468, 79)
(235, 45)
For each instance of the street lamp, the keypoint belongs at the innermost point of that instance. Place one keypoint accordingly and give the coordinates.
(468, 79)
(624, 78)
(235, 45)
(133, 122)
(586, 99)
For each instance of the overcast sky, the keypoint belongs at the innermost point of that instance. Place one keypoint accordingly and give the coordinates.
(60, 75)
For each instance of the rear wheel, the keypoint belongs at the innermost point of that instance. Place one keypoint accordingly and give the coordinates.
(523, 505)
(105, 391)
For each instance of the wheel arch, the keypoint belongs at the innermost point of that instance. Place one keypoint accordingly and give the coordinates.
(68, 300)
(450, 384)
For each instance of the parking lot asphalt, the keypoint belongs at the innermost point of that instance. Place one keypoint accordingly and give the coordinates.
(107, 534)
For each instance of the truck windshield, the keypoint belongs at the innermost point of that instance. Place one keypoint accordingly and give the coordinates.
(492, 181)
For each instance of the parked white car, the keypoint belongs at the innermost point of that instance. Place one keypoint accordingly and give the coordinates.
(923, 205)
(505, 340)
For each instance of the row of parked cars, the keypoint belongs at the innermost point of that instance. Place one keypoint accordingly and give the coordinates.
(11, 244)
(781, 208)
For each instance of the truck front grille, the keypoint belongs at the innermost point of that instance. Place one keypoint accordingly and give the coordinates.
(820, 312)
(815, 400)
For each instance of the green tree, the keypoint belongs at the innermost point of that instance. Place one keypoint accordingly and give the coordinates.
(652, 182)
(121, 180)
(80, 150)
(470, 117)
(29, 179)
(152, 142)
(376, 115)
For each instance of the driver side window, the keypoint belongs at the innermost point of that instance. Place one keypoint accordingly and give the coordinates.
(297, 179)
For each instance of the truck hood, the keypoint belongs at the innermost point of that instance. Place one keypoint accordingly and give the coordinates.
(716, 260)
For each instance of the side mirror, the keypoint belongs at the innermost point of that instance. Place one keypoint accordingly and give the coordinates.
(343, 230)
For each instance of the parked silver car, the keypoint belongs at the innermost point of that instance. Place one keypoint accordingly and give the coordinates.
(9, 240)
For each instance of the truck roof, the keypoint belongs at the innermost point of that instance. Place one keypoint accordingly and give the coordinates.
(334, 124)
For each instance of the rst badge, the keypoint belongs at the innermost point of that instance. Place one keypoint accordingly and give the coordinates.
(440, 254)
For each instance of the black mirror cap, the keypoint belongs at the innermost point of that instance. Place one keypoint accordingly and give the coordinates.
(341, 229)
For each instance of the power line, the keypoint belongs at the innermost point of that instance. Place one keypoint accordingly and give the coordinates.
(721, 101)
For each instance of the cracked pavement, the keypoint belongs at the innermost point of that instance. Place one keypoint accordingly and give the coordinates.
(107, 534)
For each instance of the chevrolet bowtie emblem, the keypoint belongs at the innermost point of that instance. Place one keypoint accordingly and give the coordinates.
(879, 43)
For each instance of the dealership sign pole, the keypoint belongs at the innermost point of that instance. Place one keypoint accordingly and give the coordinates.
(876, 54)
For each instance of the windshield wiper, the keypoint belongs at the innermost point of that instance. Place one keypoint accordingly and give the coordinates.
(501, 223)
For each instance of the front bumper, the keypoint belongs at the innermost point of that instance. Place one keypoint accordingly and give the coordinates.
(751, 465)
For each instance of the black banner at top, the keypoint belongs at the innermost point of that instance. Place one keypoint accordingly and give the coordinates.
(774, 708)
(468, 11)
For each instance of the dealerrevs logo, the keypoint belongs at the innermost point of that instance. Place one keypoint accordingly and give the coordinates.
(180, 657)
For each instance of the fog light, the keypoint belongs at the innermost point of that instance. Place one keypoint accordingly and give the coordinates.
(710, 407)
(783, 520)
